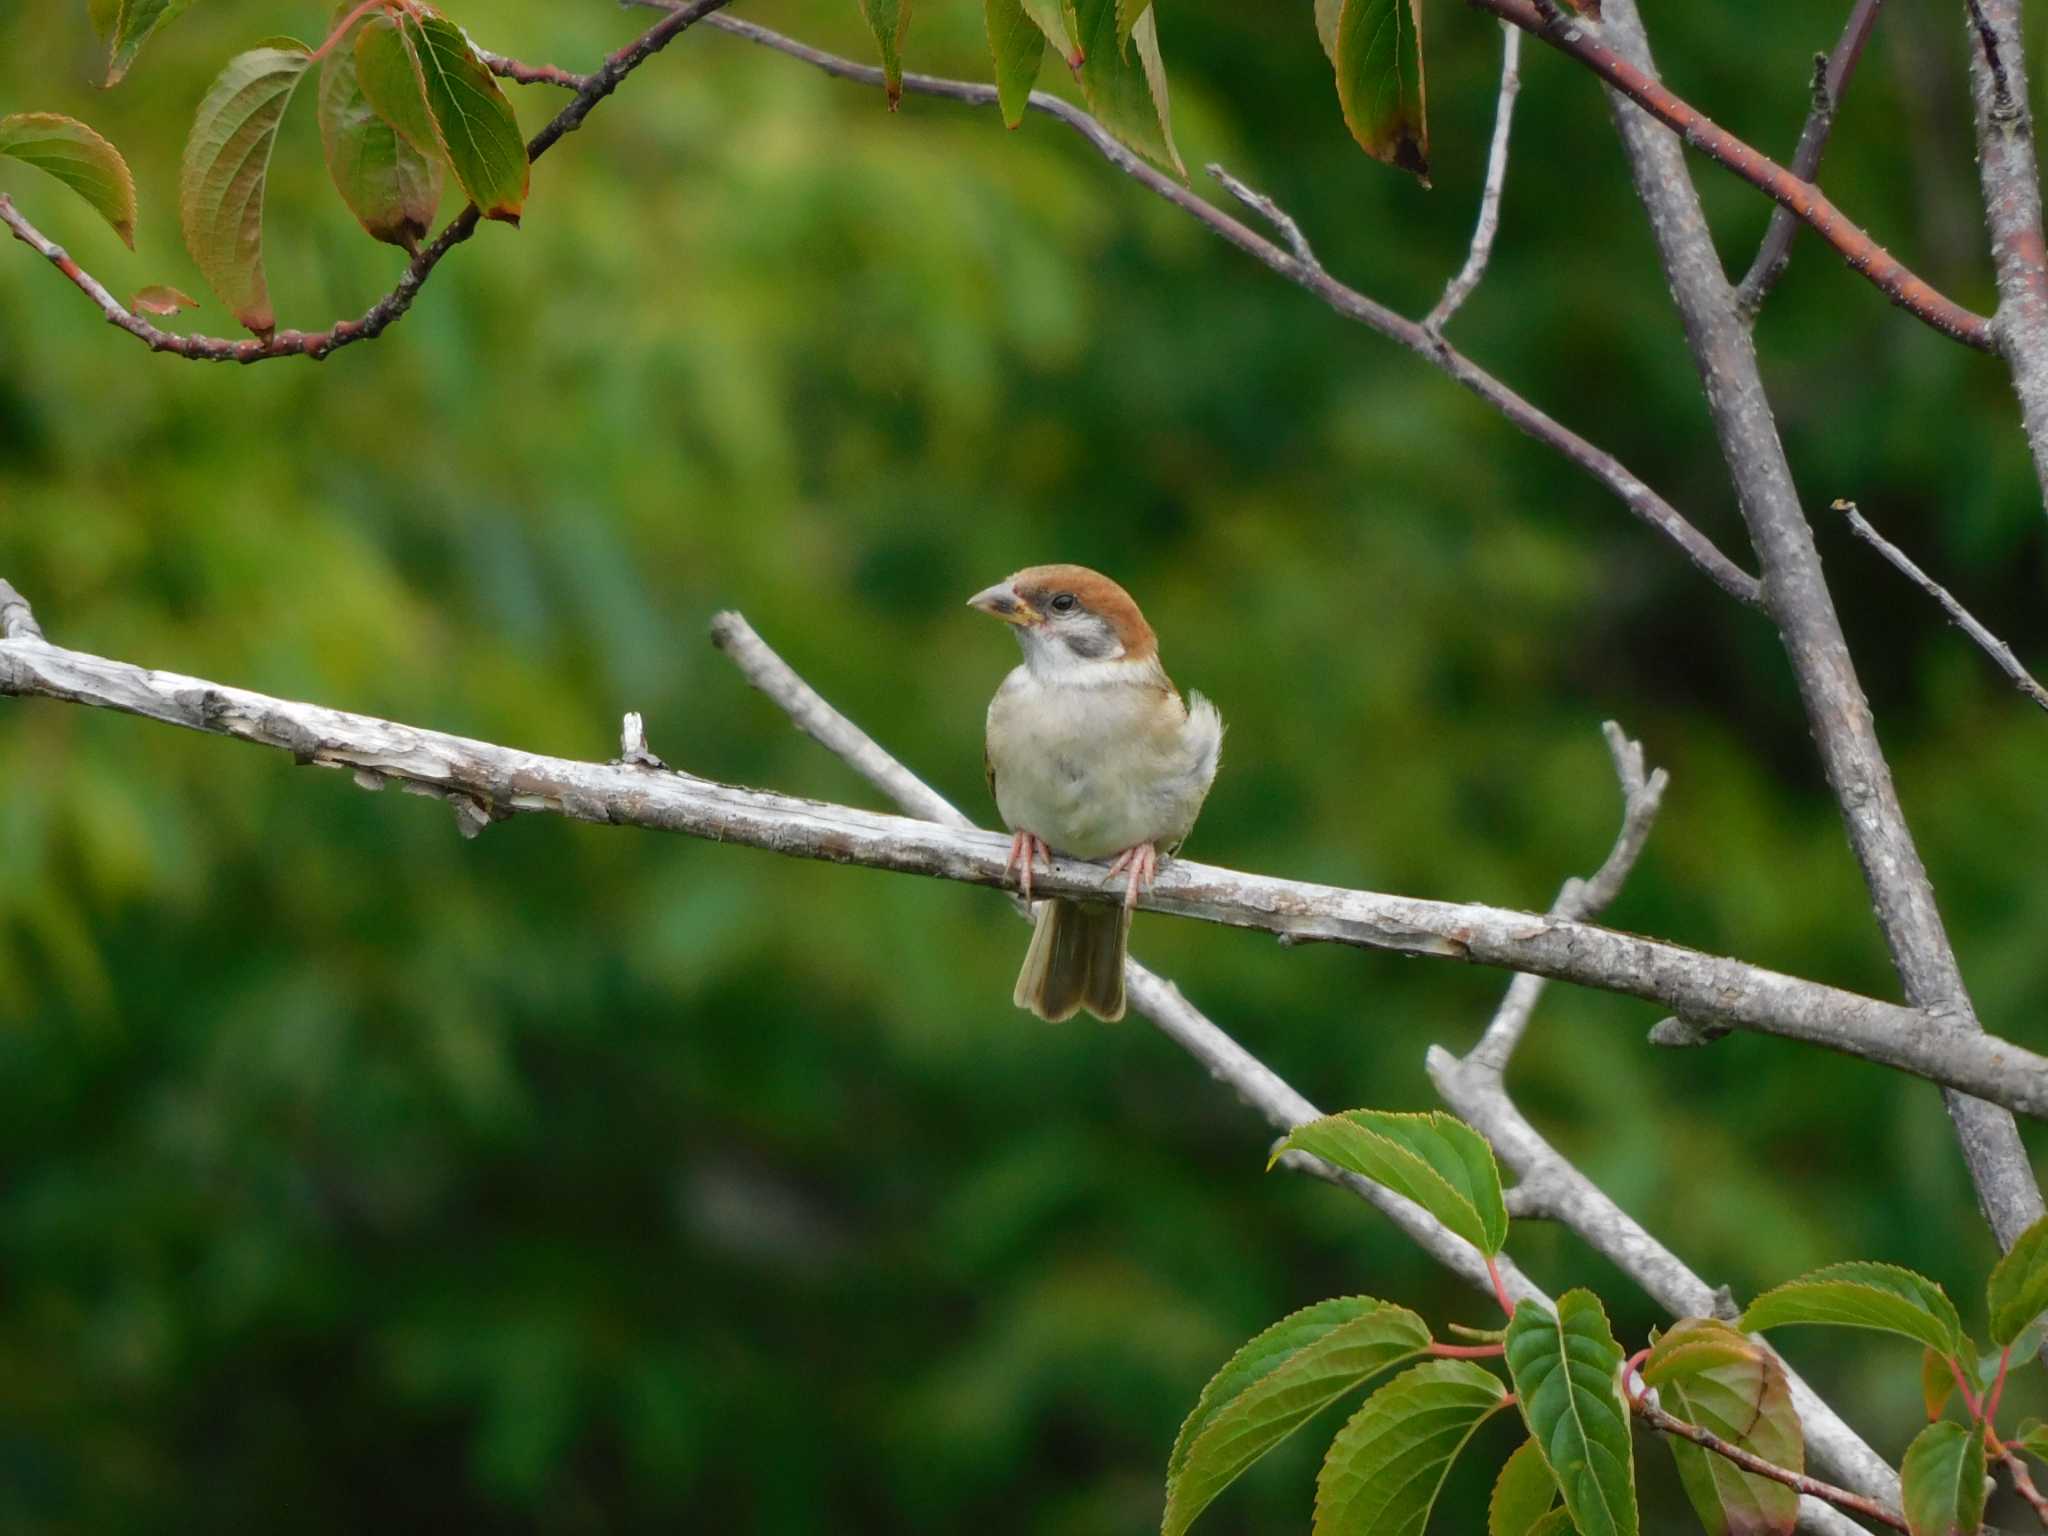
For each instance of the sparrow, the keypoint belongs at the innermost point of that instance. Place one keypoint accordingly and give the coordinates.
(1091, 753)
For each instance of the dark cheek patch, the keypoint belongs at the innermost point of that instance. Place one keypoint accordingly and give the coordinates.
(1091, 642)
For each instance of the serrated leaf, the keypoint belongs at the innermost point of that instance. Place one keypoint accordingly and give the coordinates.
(1522, 1494)
(1276, 1383)
(161, 299)
(2031, 1437)
(391, 187)
(1126, 88)
(1378, 56)
(226, 165)
(1712, 1376)
(1387, 1465)
(1557, 1523)
(1937, 1382)
(1327, 12)
(1942, 1480)
(1018, 47)
(1863, 1295)
(1057, 20)
(889, 20)
(2017, 1292)
(77, 156)
(1127, 14)
(125, 25)
(389, 76)
(1436, 1160)
(473, 121)
(1566, 1369)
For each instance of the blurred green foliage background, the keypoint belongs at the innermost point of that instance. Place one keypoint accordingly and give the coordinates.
(353, 1175)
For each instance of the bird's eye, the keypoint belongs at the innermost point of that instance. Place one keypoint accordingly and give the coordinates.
(1064, 603)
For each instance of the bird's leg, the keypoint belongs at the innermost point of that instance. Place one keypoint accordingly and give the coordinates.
(1139, 864)
(1026, 848)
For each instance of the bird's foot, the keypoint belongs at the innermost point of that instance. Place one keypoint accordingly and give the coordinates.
(1138, 865)
(1026, 849)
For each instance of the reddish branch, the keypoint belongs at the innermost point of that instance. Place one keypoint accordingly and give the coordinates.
(532, 74)
(1749, 1461)
(1830, 79)
(1802, 198)
(392, 307)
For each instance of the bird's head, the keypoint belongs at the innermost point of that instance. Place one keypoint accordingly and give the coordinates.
(1067, 617)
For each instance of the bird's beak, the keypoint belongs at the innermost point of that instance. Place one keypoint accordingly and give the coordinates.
(1002, 601)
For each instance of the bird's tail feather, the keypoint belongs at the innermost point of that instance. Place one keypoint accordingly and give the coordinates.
(1076, 960)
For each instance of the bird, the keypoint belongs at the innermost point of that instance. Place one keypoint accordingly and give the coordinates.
(1091, 753)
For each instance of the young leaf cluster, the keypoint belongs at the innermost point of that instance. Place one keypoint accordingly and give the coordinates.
(403, 96)
(405, 99)
(1721, 1397)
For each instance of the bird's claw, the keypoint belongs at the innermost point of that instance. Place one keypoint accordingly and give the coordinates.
(1138, 865)
(1026, 849)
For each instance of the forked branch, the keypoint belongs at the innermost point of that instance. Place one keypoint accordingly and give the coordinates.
(1806, 202)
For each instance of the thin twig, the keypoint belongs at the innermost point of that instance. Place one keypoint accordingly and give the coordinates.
(1807, 202)
(1460, 287)
(1272, 213)
(508, 780)
(1830, 80)
(2023, 1481)
(380, 316)
(507, 68)
(1602, 466)
(1961, 617)
(1749, 1461)
(1581, 899)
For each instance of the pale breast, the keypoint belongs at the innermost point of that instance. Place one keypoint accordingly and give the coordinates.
(1096, 770)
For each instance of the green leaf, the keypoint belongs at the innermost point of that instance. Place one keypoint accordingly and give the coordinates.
(160, 299)
(1436, 1160)
(389, 76)
(474, 122)
(1019, 49)
(1937, 1382)
(1712, 1376)
(391, 187)
(1061, 26)
(1275, 1384)
(2017, 1292)
(1327, 12)
(1378, 55)
(1942, 1480)
(78, 157)
(2032, 1437)
(1127, 14)
(1862, 1295)
(1557, 1523)
(1522, 1494)
(125, 25)
(1126, 88)
(227, 162)
(1566, 1368)
(889, 20)
(1386, 1467)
